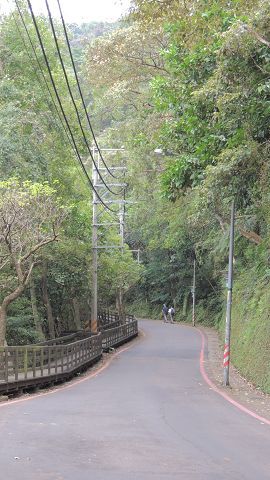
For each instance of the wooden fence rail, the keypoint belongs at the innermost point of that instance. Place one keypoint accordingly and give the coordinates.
(69, 338)
(108, 320)
(41, 364)
(115, 336)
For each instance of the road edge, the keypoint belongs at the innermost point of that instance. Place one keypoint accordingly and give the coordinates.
(216, 389)
(92, 374)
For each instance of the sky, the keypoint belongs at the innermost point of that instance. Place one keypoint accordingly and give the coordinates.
(79, 11)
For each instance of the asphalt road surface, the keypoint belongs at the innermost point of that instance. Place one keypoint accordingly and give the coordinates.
(148, 416)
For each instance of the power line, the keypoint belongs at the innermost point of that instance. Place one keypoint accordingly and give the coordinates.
(61, 106)
(80, 90)
(73, 99)
(40, 67)
(44, 78)
(40, 83)
(43, 75)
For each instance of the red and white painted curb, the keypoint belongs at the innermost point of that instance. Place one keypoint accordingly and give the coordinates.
(95, 373)
(221, 392)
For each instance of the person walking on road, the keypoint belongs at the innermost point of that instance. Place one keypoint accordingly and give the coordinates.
(164, 312)
(171, 314)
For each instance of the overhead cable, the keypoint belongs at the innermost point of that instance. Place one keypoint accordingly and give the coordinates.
(73, 99)
(62, 108)
(66, 137)
(80, 90)
(40, 68)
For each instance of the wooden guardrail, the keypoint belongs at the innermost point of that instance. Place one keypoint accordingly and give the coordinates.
(115, 336)
(31, 365)
(69, 338)
(41, 364)
(108, 320)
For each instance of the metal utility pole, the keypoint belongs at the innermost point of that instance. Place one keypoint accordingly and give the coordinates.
(94, 312)
(226, 361)
(121, 225)
(194, 293)
(98, 210)
(121, 231)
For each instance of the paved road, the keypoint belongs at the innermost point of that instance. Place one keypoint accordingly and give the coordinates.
(148, 416)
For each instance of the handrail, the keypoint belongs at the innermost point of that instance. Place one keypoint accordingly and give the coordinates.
(28, 362)
(115, 336)
(107, 319)
(39, 364)
(66, 338)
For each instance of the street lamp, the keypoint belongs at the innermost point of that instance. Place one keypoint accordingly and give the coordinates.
(226, 361)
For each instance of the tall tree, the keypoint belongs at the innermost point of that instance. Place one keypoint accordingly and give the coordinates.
(30, 219)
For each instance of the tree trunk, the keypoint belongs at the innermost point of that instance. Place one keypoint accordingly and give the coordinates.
(3, 325)
(76, 311)
(3, 311)
(185, 304)
(47, 303)
(35, 310)
(120, 305)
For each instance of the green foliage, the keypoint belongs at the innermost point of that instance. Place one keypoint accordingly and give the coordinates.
(118, 270)
(250, 326)
(189, 80)
(212, 105)
(21, 330)
(36, 164)
(144, 309)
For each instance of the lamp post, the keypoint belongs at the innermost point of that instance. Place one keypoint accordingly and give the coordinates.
(226, 360)
(194, 293)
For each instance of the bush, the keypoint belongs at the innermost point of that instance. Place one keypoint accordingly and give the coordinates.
(21, 330)
(144, 309)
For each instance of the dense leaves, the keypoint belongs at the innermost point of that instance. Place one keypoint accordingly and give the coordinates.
(46, 270)
(184, 86)
(199, 139)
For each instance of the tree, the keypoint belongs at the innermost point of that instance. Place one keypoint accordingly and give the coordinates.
(119, 68)
(33, 147)
(118, 272)
(30, 219)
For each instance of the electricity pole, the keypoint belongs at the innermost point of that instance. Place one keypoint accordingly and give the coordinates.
(94, 312)
(226, 361)
(98, 210)
(121, 224)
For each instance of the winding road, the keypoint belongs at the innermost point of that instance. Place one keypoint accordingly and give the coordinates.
(148, 415)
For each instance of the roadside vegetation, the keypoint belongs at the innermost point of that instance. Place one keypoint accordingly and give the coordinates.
(187, 84)
(185, 87)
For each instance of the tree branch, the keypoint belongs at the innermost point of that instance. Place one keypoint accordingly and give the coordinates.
(251, 236)
(12, 296)
(221, 222)
(38, 246)
(28, 275)
(259, 37)
(4, 263)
